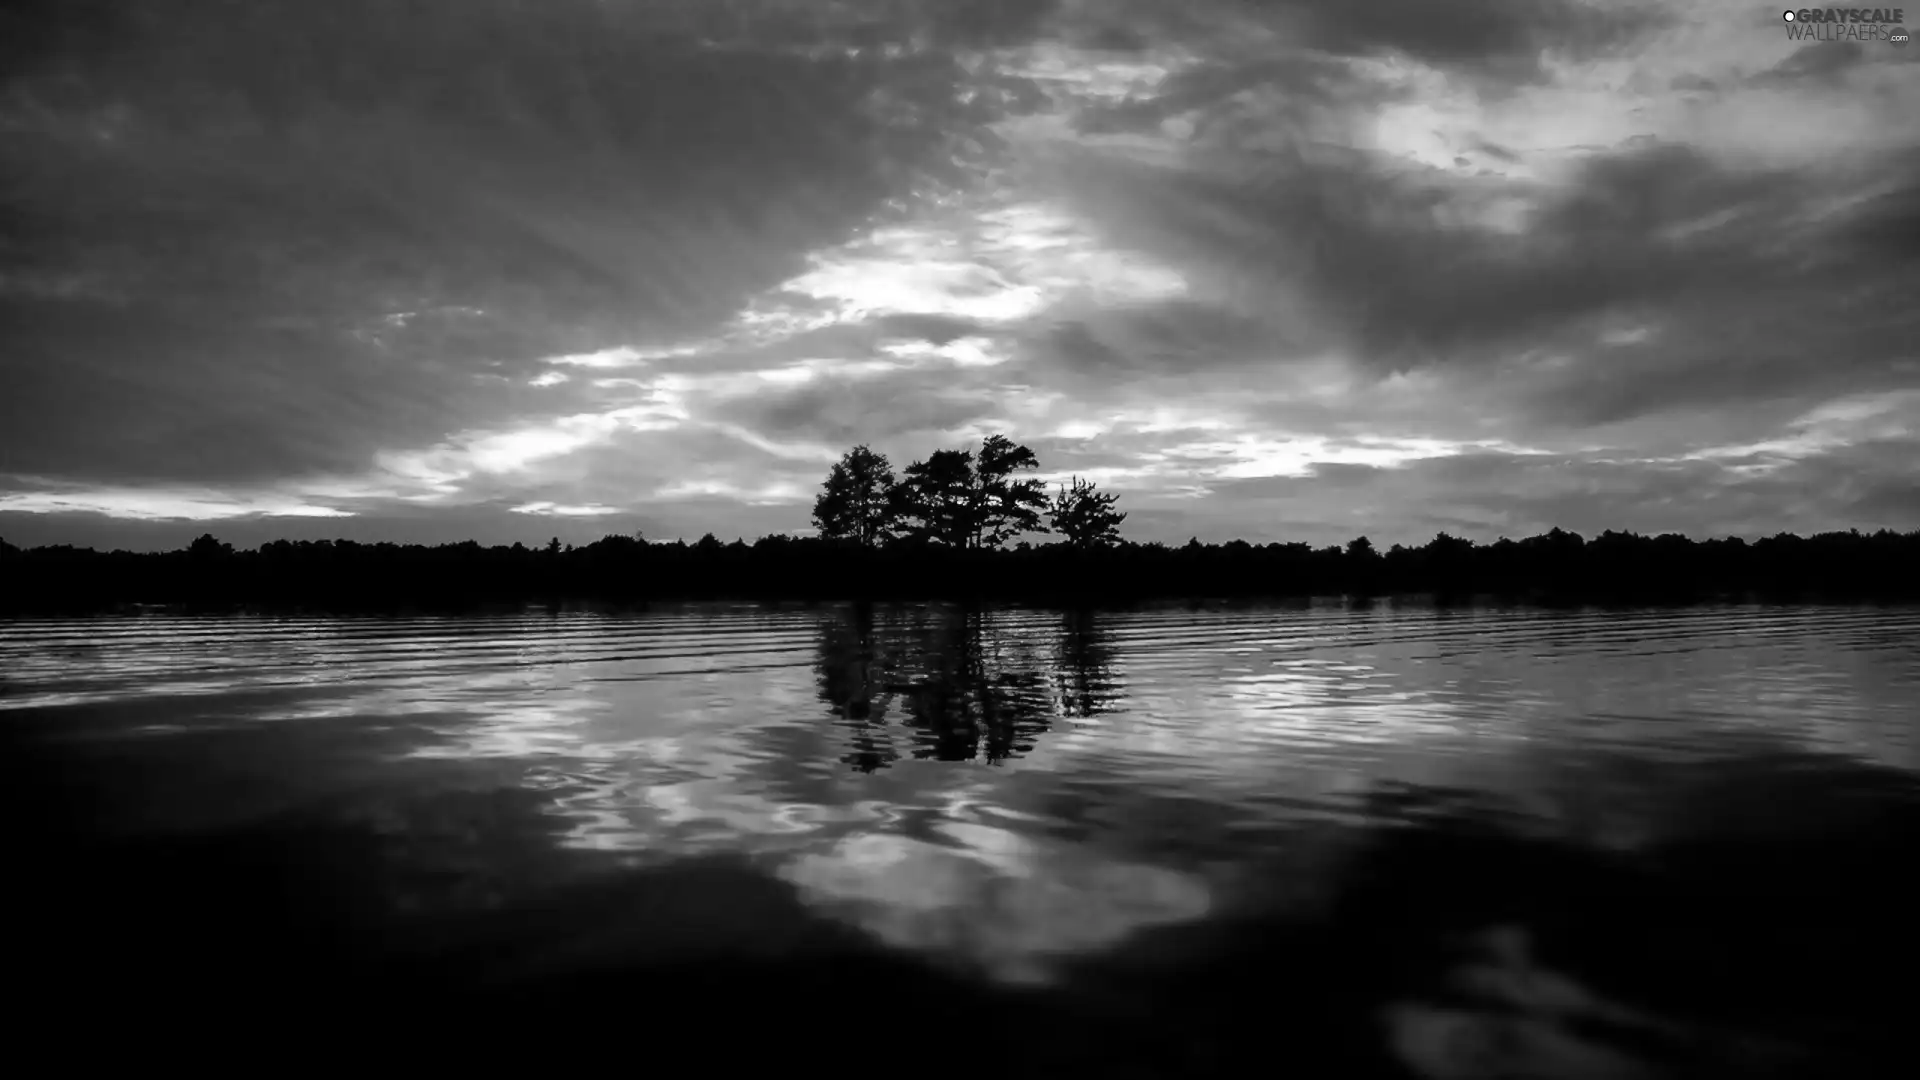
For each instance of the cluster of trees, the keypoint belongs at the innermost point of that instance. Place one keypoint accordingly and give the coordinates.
(939, 530)
(958, 499)
(1556, 566)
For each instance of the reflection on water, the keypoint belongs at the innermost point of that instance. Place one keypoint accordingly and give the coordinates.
(1445, 842)
(957, 685)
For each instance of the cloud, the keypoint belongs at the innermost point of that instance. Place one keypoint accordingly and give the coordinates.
(1499, 36)
(279, 242)
(1363, 255)
(1490, 494)
(1829, 62)
(547, 508)
(1552, 287)
(841, 411)
(1266, 268)
(1505, 35)
(619, 356)
(163, 505)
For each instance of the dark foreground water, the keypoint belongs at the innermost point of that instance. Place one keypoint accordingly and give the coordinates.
(1306, 841)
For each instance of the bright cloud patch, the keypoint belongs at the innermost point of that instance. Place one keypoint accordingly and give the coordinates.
(962, 352)
(1888, 417)
(993, 264)
(547, 508)
(623, 356)
(439, 470)
(911, 271)
(761, 495)
(161, 505)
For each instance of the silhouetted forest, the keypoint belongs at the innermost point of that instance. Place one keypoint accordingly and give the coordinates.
(1556, 567)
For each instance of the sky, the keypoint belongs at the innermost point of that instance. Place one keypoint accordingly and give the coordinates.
(1267, 269)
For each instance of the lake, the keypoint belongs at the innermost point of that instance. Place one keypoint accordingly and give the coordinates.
(1384, 838)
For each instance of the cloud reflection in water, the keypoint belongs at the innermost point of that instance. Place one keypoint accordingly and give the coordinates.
(1004, 903)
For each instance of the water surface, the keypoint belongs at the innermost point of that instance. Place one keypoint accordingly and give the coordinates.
(1376, 834)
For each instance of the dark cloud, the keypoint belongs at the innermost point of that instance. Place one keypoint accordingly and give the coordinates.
(1873, 480)
(1500, 34)
(1895, 499)
(1726, 265)
(1653, 231)
(1145, 339)
(1504, 38)
(1751, 359)
(1343, 474)
(1073, 342)
(1370, 243)
(1691, 83)
(211, 217)
(937, 329)
(845, 410)
(1827, 61)
(1883, 228)
(131, 393)
(1234, 95)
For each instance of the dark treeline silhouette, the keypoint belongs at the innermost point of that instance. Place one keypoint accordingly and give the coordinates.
(1558, 566)
(940, 531)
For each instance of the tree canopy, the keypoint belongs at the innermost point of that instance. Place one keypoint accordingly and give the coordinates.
(1085, 515)
(935, 498)
(1002, 506)
(957, 498)
(857, 502)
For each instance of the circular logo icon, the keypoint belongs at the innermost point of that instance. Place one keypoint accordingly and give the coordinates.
(1788, 16)
(1898, 35)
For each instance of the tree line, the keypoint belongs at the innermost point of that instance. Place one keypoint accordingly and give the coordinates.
(958, 499)
(1557, 566)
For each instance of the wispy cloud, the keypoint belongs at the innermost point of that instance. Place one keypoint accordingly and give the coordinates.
(547, 508)
(1272, 268)
(159, 504)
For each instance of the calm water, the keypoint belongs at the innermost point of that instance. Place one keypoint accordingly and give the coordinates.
(1398, 839)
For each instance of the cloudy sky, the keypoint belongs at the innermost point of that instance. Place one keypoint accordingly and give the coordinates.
(1273, 269)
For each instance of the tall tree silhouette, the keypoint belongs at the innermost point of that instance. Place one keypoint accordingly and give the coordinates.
(1004, 507)
(857, 501)
(1085, 515)
(963, 501)
(937, 498)
(206, 548)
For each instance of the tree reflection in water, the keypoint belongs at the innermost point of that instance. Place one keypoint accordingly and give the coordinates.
(958, 683)
(1084, 675)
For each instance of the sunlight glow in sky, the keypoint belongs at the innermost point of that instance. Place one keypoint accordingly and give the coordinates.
(150, 504)
(1286, 270)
